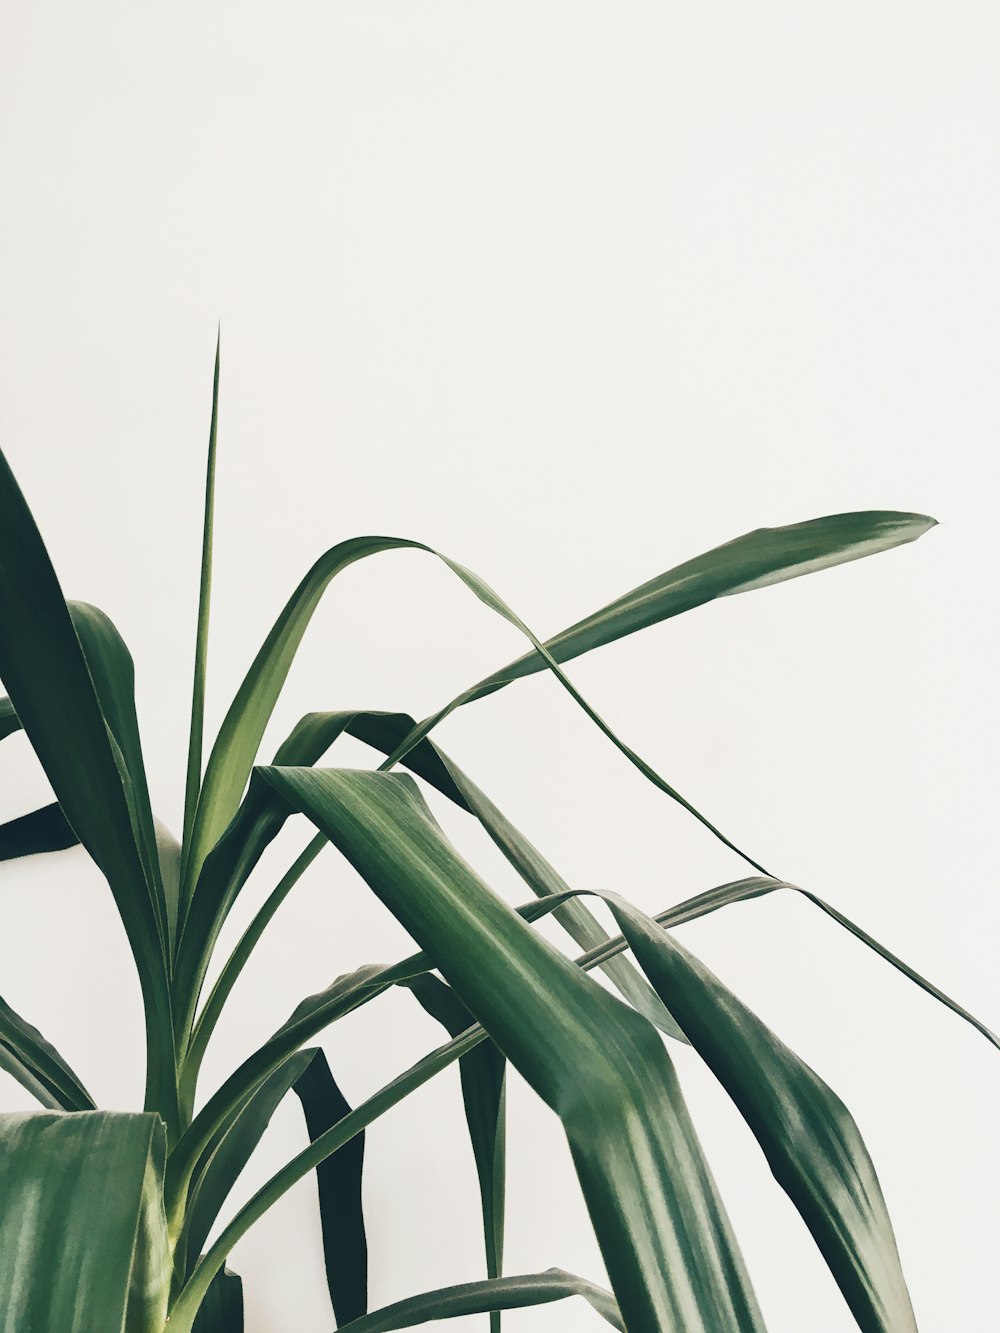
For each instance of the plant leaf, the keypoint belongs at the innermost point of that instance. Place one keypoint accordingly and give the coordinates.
(260, 818)
(197, 728)
(38, 1066)
(509, 1293)
(222, 1309)
(113, 674)
(239, 738)
(51, 686)
(755, 560)
(43, 830)
(483, 1074)
(230, 1150)
(338, 1182)
(9, 720)
(810, 1139)
(83, 1243)
(598, 1064)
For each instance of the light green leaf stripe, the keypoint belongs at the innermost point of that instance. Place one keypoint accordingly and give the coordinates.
(82, 1236)
(599, 1065)
(509, 1293)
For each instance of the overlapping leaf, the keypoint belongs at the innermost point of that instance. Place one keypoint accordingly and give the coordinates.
(483, 1074)
(510, 1293)
(596, 1063)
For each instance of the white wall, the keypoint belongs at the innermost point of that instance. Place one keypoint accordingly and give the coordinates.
(572, 291)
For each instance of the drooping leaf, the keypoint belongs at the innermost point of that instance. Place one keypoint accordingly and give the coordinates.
(483, 1074)
(338, 1181)
(755, 560)
(742, 890)
(509, 1293)
(83, 1245)
(384, 731)
(260, 818)
(38, 1066)
(810, 1139)
(239, 738)
(599, 1065)
(43, 830)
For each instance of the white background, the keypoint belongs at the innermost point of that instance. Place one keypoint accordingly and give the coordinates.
(572, 291)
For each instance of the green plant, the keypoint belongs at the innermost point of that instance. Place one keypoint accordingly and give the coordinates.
(106, 1214)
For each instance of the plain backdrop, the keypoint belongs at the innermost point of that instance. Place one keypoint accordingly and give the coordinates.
(571, 291)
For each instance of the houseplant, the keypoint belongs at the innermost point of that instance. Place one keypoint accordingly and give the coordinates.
(107, 1215)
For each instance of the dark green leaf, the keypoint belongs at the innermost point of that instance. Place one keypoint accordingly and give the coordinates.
(38, 1066)
(338, 1181)
(599, 1065)
(810, 1139)
(222, 1309)
(9, 721)
(43, 830)
(84, 754)
(483, 1074)
(230, 1149)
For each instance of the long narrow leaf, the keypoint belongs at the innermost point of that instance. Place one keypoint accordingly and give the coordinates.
(38, 1066)
(113, 673)
(483, 1074)
(509, 1293)
(196, 736)
(51, 686)
(338, 1183)
(260, 818)
(810, 1139)
(755, 560)
(230, 1151)
(44, 830)
(239, 738)
(83, 1244)
(601, 1067)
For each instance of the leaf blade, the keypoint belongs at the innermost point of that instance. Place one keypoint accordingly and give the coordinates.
(571, 1040)
(76, 1255)
(338, 1185)
(468, 1298)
